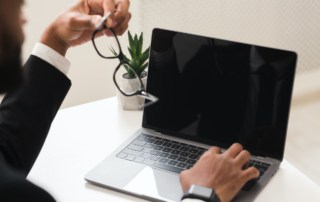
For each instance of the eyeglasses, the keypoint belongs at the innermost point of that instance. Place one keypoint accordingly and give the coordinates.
(109, 48)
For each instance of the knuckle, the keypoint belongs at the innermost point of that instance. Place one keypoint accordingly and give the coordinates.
(72, 19)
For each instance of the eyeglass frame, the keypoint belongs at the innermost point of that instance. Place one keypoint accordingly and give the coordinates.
(141, 91)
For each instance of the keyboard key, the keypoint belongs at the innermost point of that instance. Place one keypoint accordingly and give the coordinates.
(146, 156)
(193, 151)
(135, 147)
(158, 142)
(182, 159)
(154, 152)
(148, 162)
(265, 164)
(173, 163)
(158, 148)
(139, 142)
(167, 144)
(182, 165)
(150, 140)
(122, 155)
(189, 166)
(142, 137)
(139, 159)
(163, 160)
(173, 157)
(147, 150)
(175, 152)
(184, 149)
(167, 150)
(190, 161)
(164, 155)
(130, 157)
(168, 167)
(193, 156)
(184, 154)
(175, 146)
(201, 151)
(154, 158)
(148, 145)
(261, 167)
(132, 152)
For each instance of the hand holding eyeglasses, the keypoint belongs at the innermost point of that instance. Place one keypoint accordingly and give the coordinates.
(110, 48)
(75, 26)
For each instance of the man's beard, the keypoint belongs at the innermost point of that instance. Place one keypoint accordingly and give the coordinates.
(10, 66)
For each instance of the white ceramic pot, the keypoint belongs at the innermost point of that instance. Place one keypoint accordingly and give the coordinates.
(132, 103)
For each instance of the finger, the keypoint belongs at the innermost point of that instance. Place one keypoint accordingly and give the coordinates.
(215, 149)
(242, 158)
(250, 173)
(233, 150)
(122, 9)
(99, 34)
(122, 30)
(123, 26)
(108, 6)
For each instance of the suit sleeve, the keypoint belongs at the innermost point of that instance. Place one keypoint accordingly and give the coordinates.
(26, 113)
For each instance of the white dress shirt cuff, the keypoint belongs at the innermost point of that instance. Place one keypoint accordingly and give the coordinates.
(52, 57)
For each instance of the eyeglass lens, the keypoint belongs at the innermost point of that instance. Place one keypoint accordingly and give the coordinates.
(107, 46)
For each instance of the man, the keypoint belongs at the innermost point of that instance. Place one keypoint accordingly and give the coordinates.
(36, 91)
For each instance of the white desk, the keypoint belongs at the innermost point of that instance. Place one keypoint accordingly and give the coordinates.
(82, 136)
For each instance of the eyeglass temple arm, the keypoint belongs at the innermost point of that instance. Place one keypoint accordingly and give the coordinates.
(148, 96)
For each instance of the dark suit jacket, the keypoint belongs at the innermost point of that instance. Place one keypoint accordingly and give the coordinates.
(25, 119)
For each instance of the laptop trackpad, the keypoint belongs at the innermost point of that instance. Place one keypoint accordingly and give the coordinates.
(156, 184)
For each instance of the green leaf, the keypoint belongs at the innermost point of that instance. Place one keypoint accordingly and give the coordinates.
(139, 45)
(143, 67)
(130, 39)
(131, 52)
(145, 55)
(139, 58)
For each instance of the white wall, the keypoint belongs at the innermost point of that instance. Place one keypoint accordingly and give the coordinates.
(278, 23)
(292, 24)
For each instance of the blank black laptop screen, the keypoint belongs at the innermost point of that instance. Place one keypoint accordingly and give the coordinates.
(219, 92)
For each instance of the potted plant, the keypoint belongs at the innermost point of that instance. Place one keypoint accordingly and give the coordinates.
(138, 60)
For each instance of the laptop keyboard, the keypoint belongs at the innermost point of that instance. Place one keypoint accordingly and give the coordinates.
(171, 155)
(161, 153)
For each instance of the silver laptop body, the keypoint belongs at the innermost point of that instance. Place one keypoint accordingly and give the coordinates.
(211, 92)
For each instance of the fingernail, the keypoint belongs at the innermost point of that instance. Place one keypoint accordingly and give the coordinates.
(96, 19)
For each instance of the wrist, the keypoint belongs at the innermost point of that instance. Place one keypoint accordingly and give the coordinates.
(52, 40)
(202, 193)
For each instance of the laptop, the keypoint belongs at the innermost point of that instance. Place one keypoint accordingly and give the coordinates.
(211, 92)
